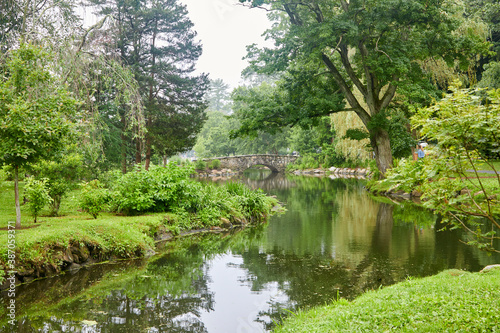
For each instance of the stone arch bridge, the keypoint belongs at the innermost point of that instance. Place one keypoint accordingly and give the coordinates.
(277, 163)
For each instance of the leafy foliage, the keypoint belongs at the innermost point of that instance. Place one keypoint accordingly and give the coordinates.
(216, 164)
(197, 205)
(491, 76)
(37, 194)
(466, 127)
(61, 176)
(36, 112)
(358, 51)
(94, 197)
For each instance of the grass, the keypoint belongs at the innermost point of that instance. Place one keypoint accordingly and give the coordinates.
(494, 163)
(41, 246)
(69, 209)
(406, 182)
(452, 301)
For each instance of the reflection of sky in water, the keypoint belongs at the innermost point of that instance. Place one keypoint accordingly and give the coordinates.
(237, 307)
(333, 240)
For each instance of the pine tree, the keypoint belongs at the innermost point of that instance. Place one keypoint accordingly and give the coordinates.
(156, 40)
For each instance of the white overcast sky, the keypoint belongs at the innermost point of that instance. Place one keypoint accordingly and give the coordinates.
(225, 29)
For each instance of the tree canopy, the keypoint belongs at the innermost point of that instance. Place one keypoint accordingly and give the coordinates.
(156, 40)
(364, 52)
(36, 111)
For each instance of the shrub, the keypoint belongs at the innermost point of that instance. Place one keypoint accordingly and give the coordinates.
(406, 175)
(61, 175)
(200, 165)
(154, 190)
(176, 160)
(252, 202)
(94, 197)
(37, 193)
(216, 164)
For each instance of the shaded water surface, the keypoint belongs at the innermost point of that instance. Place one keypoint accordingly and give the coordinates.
(333, 241)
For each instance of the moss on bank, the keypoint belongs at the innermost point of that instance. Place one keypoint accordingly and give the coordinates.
(452, 301)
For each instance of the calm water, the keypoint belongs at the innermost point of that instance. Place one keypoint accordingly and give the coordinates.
(333, 241)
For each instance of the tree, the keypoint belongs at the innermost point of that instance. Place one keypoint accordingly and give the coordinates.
(466, 127)
(60, 175)
(36, 112)
(491, 76)
(38, 195)
(155, 39)
(370, 49)
(35, 20)
(218, 96)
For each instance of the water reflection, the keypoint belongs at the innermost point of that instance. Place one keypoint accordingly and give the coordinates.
(333, 241)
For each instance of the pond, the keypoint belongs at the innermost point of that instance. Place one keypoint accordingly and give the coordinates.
(333, 241)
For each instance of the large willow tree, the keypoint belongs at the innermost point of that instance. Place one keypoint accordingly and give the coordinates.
(374, 47)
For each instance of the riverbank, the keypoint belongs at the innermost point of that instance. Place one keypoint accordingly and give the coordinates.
(451, 301)
(73, 239)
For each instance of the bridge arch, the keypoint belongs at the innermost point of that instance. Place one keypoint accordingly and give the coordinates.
(276, 163)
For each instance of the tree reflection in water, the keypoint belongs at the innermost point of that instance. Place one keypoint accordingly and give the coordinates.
(333, 241)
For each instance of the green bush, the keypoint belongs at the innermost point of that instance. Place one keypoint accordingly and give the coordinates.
(62, 176)
(199, 205)
(308, 162)
(94, 197)
(3, 174)
(37, 193)
(200, 165)
(406, 175)
(154, 190)
(176, 160)
(252, 202)
(330, 157)
(216, 164)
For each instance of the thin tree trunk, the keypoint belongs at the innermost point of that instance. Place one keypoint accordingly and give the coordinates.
(16, 194)
(148, 153)
(123, 146)
(138, 157)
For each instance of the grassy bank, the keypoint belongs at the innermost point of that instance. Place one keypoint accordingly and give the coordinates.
(55, 243)
(452, 301)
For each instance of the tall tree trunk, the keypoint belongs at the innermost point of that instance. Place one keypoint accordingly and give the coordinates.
(382, 149)
(16, 195)
(149, 122)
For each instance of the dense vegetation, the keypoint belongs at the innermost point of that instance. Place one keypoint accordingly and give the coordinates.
(155, 202)
(465, 127)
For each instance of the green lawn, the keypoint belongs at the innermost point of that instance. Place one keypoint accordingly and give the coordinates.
(120, 236)
(68, 211)
(452, 301)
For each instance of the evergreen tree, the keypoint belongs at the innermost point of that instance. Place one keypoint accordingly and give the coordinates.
(156, 40)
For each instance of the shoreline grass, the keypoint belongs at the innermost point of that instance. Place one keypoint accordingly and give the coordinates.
(50, 246)
(451, 301)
